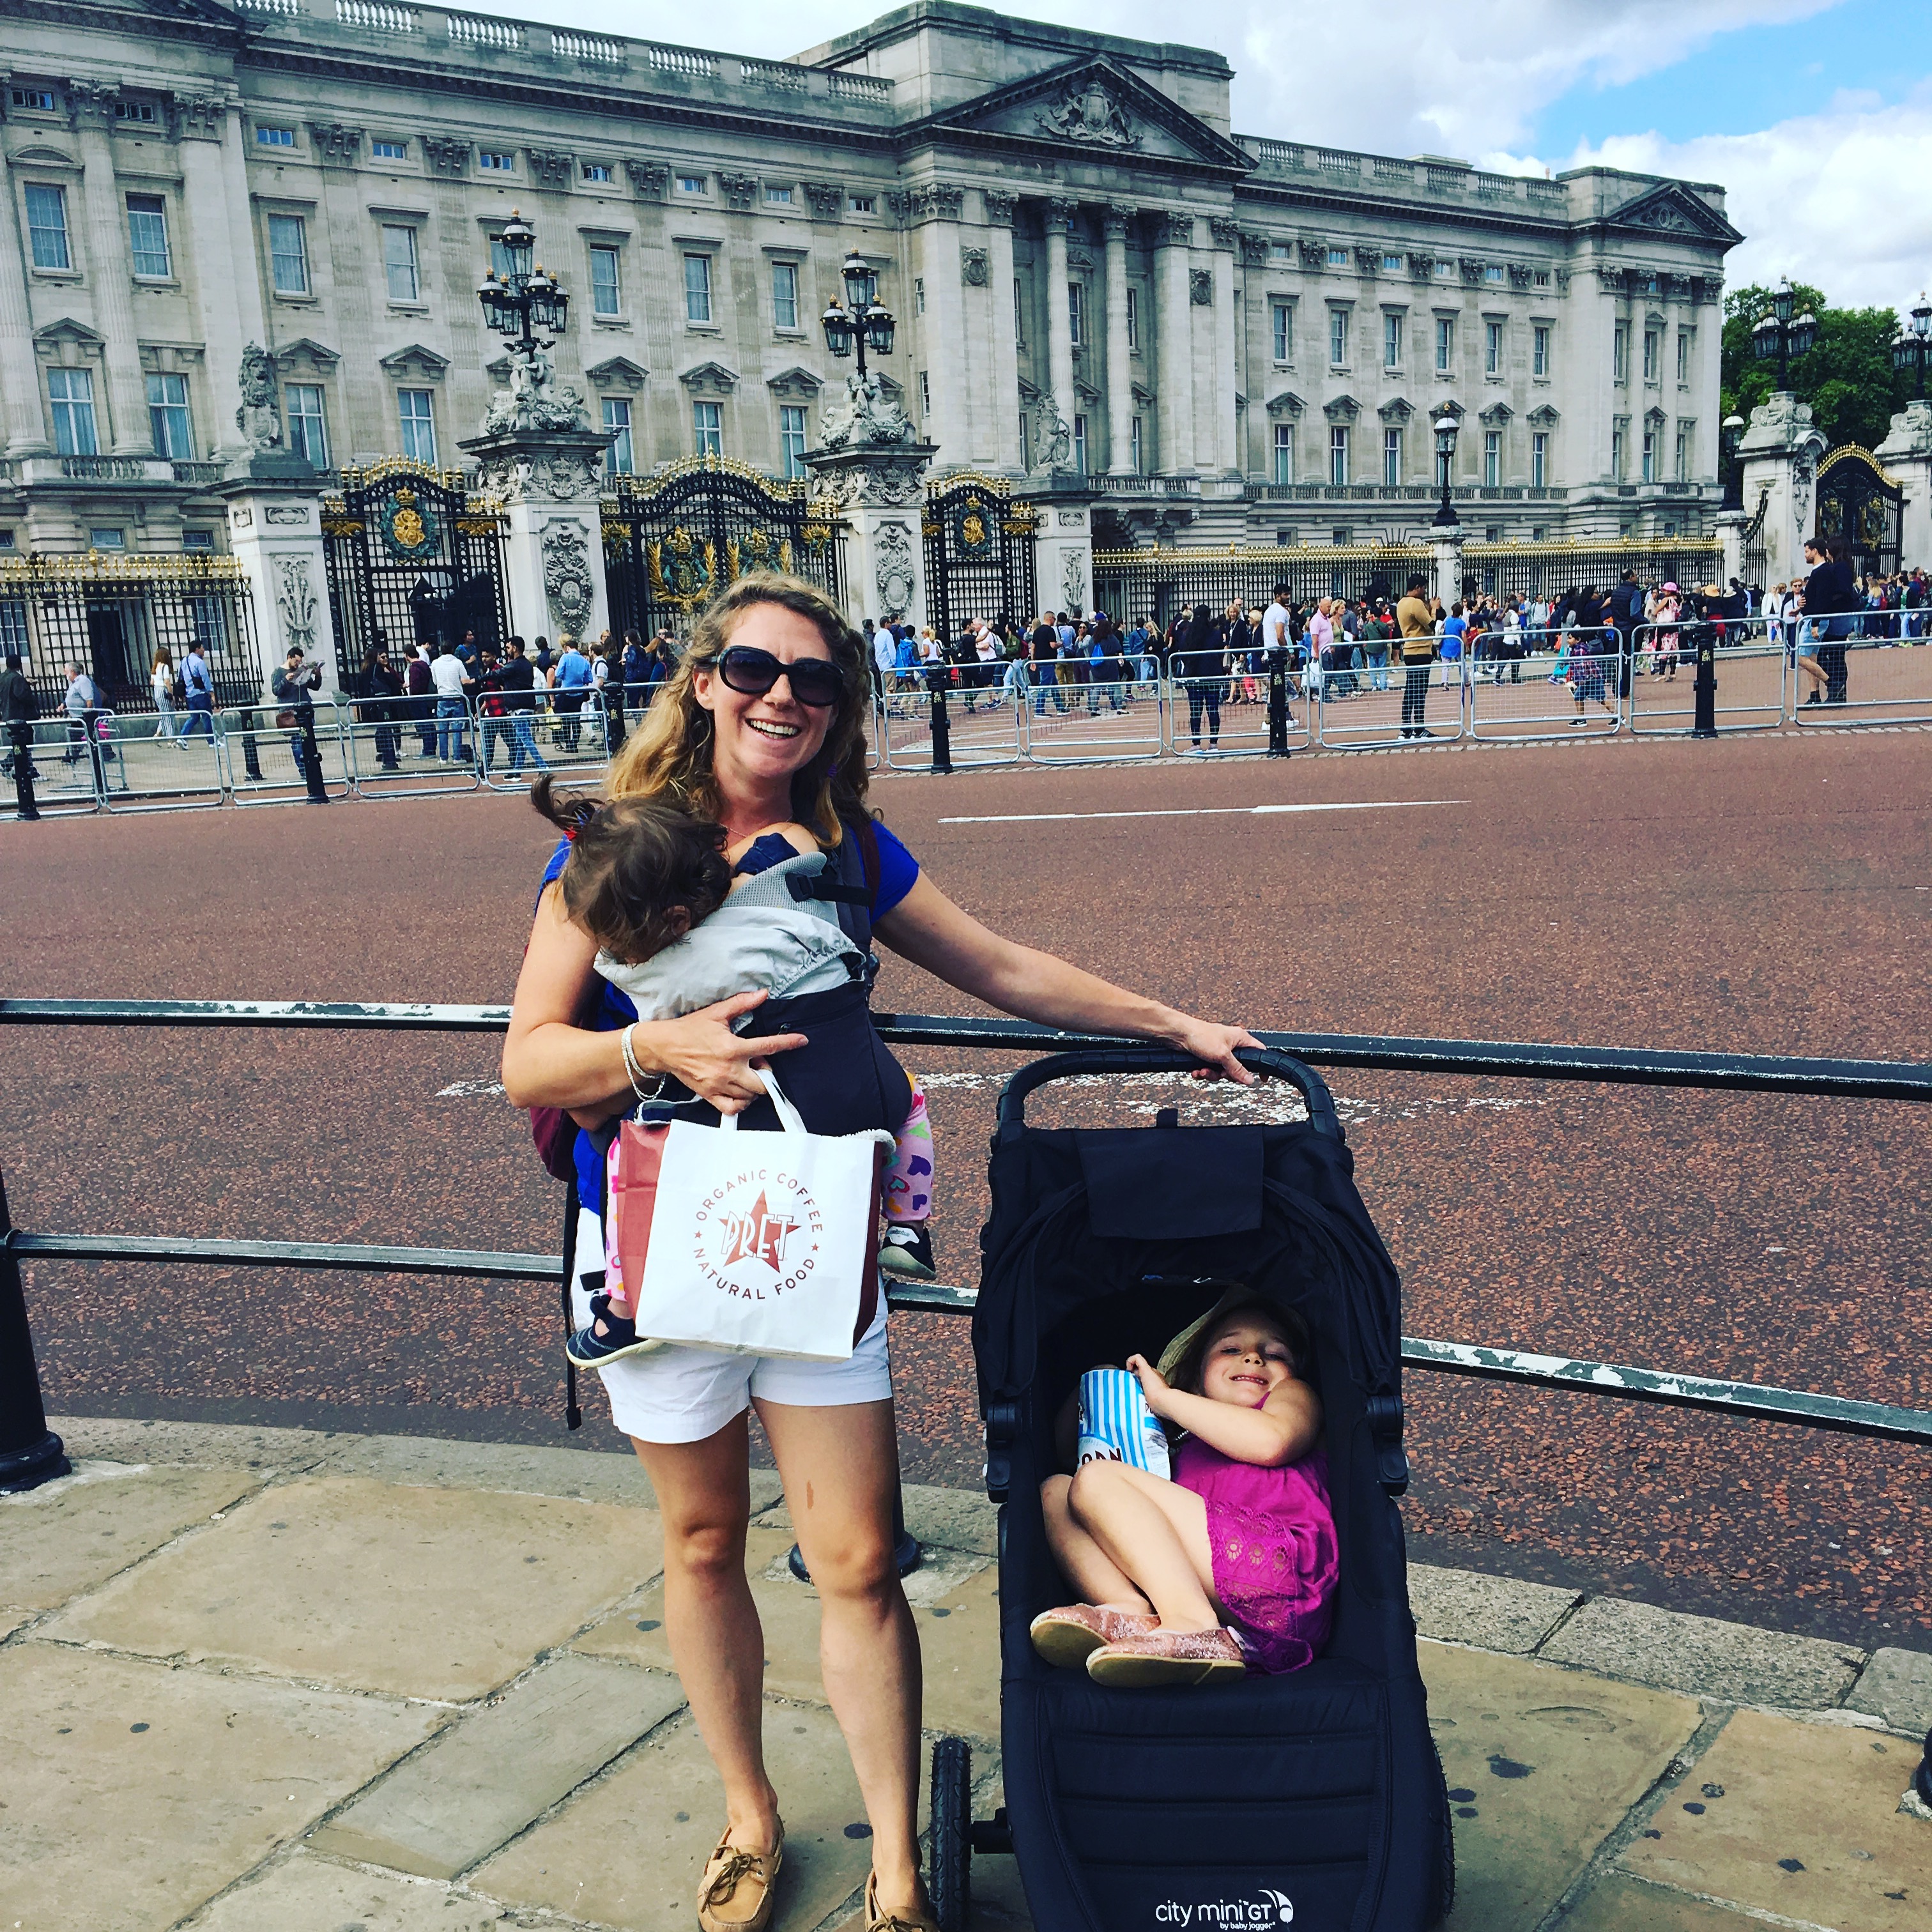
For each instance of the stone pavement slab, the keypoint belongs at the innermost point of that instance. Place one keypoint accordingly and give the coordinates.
(1543, 1766)
(1487, 1612)
(152, 1788)
(1704, 1656)
(1896, 1686)
(344, 1580)
(1801, 1820)
(1624, 1904)
(70, 1535)
(628, 1851)
(218, 1444)
(485, 1778)
(301, 1893)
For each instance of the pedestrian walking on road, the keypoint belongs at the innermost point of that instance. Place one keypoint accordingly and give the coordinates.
(199, 687)
(164, 681)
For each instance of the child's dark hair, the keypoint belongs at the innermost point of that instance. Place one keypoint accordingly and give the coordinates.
(1294, 1330)
(635, 865)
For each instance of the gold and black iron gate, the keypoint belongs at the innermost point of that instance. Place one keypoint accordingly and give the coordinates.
(675, 539)
(979, 554)
(1859, 501)
(412, 558)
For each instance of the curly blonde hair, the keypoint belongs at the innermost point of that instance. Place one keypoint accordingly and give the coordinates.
(670, 750)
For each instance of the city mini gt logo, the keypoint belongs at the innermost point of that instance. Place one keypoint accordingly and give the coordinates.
(758, 1234)
(1267, 1908)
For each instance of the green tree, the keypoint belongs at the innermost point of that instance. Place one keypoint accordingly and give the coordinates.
(1847, 377)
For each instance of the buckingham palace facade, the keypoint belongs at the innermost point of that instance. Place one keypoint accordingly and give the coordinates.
(1230, 339)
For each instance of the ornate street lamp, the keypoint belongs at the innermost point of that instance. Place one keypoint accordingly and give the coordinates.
(1446, 426)
(1912, 350)
(1730, 435)
(861, 319)
(525, 301)
(1780, 335)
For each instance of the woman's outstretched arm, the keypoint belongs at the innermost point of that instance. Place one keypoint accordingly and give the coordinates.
(926, 928)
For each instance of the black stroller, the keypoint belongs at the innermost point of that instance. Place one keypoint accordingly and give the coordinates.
(1316, 1799)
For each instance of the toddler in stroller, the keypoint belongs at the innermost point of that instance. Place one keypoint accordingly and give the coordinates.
(1232, 1563)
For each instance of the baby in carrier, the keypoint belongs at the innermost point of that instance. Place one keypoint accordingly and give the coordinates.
(682, 921)
(1232, 1565)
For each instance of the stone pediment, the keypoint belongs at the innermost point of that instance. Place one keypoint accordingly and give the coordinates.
(68, 330)
(709, 378)
(1087, 107)
(618, 372)
(1342, 410)
(305, 353)
(1671, 208)
(416, 363)
(1496, 415)
(795, 384)
(1398, 410)
(1288, 403)
(1545, 418)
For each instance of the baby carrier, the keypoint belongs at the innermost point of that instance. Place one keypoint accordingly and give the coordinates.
(1314, 1798)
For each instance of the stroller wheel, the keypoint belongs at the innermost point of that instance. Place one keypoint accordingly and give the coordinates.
(1442, 1884)
(950, 1866)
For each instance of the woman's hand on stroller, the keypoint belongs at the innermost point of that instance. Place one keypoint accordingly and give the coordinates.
(1214, 1047)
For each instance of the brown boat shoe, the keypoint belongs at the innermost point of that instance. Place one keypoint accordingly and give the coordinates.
(739, 1886)
(1069, 1635)
(1167, 1657)
(876, 1921)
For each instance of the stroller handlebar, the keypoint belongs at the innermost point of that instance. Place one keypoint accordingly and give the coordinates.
(1321, 1113)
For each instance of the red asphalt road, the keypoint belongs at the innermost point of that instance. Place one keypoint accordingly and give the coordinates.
(1761, 894)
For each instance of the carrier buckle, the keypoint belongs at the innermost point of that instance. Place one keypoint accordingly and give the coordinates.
(1002, 1428)
(1385, 1414)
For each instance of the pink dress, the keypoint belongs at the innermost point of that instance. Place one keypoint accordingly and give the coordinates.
(1272, 1537)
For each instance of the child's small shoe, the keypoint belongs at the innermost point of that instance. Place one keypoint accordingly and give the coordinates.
(610, 1338)
(1167, 1657)
(906, 1252)
(1067, 1637)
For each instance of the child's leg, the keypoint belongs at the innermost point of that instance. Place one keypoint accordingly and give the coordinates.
(1082, 1561)
(1155, 1533)
(908, 1187)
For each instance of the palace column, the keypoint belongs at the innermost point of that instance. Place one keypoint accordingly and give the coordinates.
(1005, 385)
(1120, 366)
(92, 103)
(941, 338)
(1227, 373)
(1174, 236)
(227, 285)
(1059, 316)
(19, 378)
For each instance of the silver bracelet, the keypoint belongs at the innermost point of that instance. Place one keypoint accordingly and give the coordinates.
(635, 1072)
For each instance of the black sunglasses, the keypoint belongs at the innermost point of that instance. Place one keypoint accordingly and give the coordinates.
(815, 682)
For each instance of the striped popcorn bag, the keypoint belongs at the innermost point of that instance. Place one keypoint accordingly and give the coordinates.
(1117, 1425)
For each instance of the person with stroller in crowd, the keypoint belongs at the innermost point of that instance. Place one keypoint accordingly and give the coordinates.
(1232, 1564)
(763, 722)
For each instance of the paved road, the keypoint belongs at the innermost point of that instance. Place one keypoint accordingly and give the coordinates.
(1767, 895)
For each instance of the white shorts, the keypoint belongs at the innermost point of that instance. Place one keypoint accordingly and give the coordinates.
(680, 1394)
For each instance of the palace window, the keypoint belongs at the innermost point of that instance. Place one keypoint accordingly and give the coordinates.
(47, 226)
(1650, 355)
(1492, 348)
(1338, 258)
(691, 184)
(777, 197)
(698, 288)
(389, 151)
(1650, 456)
(71, 393)
(493, 160)
(168, 418)
(1139, 465)
(98, 538)
(1338, 453)
(399, 262)
(1492, 271)
(607, 295)
(1133, 322)
(1080, 446)
(1076, 315)
(791, 439)
(415, 410)
(308, 436)
(1391, 342)
(1283, 315)
(1281, 251)
(865, 204)
(1445, 343)
(1680, 464)
(707, 425)
(619, 455)
(1539, 353)
(1392, 264)
(1391, 456)
(925, 394)
(784, 294)
(1684, 356)
(275, 137)
(1338, 336)
(198, 541)
(1617, 456)
(148, 235)
(1620, 352)
(919, 294)
(1284, 452)
(288, 255)
(1492, 457)
(597, 171)
(34, 99)
(1539, 460)
(140, 112)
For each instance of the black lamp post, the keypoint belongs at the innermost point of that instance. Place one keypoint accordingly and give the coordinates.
(525, 301)
(1446, 426)
(1731, 434)
(1912, 348)
(860, 318)
(1780, 335)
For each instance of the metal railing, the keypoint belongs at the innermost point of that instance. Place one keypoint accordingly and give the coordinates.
(29, 1453)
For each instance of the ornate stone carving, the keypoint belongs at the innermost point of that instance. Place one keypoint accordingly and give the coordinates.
(446, 155)
(1227, 234)
(1116, 218)
(258, 419)
(1052, 437)
(1256, 250)
(200, 117)
(1314, 250)
(1563, 281)
(1090, 115)
(1472, 267)
(1201, 287)
(1071, 520)
(549, 167)
(535, 400)
(1611, 280)
(650, 179)
(899, 202)
(1077, 257)
(335, 145)
(868, 416)
(1519, 275)
(1059, 211)
(827, 199)
(568, 589)
(974, 266)
(895, 569)
(290, 516)
(1073, 580)
(90, 103)
(541, 475)
(1000, 203)
(937, 201)
(1421, 268)
(740, 190)
(1173, 230)
(295, 603)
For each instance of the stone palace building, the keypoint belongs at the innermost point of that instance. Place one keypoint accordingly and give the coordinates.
(1231, 338)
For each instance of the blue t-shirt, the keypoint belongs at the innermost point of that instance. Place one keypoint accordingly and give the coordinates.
(897, 870)
(1452, 639)
(573, 670)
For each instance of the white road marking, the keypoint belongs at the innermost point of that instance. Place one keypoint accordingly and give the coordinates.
(1206, 811)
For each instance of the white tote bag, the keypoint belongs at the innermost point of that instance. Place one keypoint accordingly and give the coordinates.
(764, 1244)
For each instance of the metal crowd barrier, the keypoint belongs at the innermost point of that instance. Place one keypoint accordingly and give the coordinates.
(1569, 691)
(30, 1454)
(1752, 668)
(989, 732)
(1111, 720)
(1884, 681)
(387, 757)
(65, 769)
(1205, 718)
(155, 770)
(265, 761)
(1353, 713)
(511, 750)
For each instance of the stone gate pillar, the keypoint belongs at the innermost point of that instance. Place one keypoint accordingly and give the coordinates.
(1779, 453)
(870, 468)
(1445, 547)
(1906, 453)
(274, 533)
(1063, 552)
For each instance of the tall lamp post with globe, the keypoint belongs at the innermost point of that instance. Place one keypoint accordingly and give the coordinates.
(1780, 334)
(1911, 348)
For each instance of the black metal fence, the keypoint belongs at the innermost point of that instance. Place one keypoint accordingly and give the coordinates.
(979, 554)
(1529, 570)
(112, 615)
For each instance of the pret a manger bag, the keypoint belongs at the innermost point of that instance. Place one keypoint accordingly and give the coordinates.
(758, 1244)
